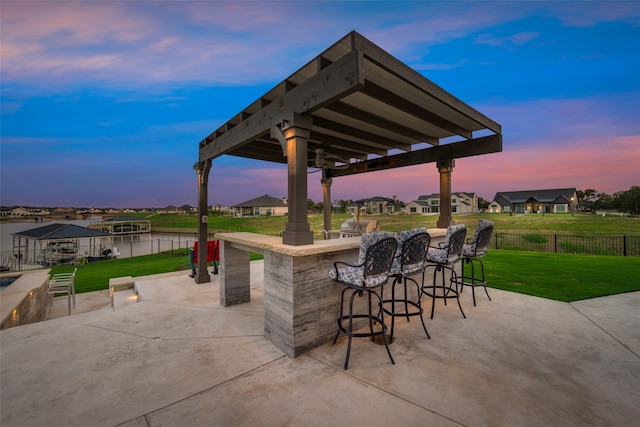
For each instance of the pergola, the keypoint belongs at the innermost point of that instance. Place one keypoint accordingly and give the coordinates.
(352, 109)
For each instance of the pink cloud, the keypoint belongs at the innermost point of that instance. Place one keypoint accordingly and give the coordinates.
(517, 39)
(607, 165)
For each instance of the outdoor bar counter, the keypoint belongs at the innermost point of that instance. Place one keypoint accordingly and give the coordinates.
(301, 302)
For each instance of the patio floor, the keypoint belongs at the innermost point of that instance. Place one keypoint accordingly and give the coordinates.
(177, 357)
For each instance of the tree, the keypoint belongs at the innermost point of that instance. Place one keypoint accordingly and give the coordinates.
(602, 201)
(314, 207)
(587, 198)
(482, 203)
(343, 204)
(627, 201)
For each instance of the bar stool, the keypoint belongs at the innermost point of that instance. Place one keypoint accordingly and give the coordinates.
(472, 252)
(377, 251)
(411, 259)
(443, 258)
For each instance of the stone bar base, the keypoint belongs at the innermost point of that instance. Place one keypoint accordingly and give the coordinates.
(301, 302)
(234, 274)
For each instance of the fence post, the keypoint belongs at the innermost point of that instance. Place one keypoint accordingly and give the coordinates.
(555, 243)
(624, 245)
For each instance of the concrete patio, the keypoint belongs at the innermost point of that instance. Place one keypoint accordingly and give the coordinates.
(176, 357)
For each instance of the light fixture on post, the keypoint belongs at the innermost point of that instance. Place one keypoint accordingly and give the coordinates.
(571, 206)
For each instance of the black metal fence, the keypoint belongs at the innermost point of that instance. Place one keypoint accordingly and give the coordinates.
(557, 243)
(568, 244)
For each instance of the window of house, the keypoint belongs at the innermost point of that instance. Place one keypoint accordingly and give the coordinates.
(435, 202)
(454, 209)
(435, 209)
(412, 210)
(560, 208)
(425, 210)
(507, 208)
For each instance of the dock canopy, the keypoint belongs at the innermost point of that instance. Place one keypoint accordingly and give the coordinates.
(352, 109)
(53, 243)
(124, 225)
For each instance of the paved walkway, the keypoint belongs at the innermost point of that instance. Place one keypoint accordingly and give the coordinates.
(177, 358)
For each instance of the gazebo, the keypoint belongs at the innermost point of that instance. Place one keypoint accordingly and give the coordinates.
(54, 243)
(352, 109)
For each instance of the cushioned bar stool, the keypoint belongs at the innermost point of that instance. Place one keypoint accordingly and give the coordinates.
(410, 260)
(377, 251)
(443, 258)
(472, 252)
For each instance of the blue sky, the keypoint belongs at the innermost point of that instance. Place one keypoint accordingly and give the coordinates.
(103, 103)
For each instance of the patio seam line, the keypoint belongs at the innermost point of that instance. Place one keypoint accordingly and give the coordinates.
(216, 306)
(211, 337)
(362, 381)
(121, 332)
(173, 338)
(244, 373)
(605, 331)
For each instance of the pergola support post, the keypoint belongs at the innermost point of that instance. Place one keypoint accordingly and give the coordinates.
(445, 167)
(298, 231)
(326, 199)
(202, 169)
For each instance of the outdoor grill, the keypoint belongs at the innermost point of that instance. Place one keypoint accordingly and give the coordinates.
(353, 227)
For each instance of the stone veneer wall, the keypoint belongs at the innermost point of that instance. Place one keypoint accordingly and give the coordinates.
(32, 308)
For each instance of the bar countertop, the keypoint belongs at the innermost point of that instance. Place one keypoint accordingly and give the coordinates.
(262, 242)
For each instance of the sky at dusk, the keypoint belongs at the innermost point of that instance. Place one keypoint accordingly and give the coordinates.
(103, 104)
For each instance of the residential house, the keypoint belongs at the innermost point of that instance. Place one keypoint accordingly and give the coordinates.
(65, 213)
(375, 205)
(427, 204)
(187, 209)
(221, 209)
(263, 205)
(168, 210)
(559, 200)
(20, 212)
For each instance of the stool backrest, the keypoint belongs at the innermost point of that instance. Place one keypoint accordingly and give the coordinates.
(482, 237)
(369, 239)
(456, 240)
(414, 252)
(379, 257)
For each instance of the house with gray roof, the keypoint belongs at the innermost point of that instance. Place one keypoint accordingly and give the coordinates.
(263, 205)
(558, 200)
(375, 205)
(461, 202)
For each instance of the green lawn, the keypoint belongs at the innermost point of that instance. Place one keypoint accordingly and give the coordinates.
(563, 277)
(95, 276)
(578, 224)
